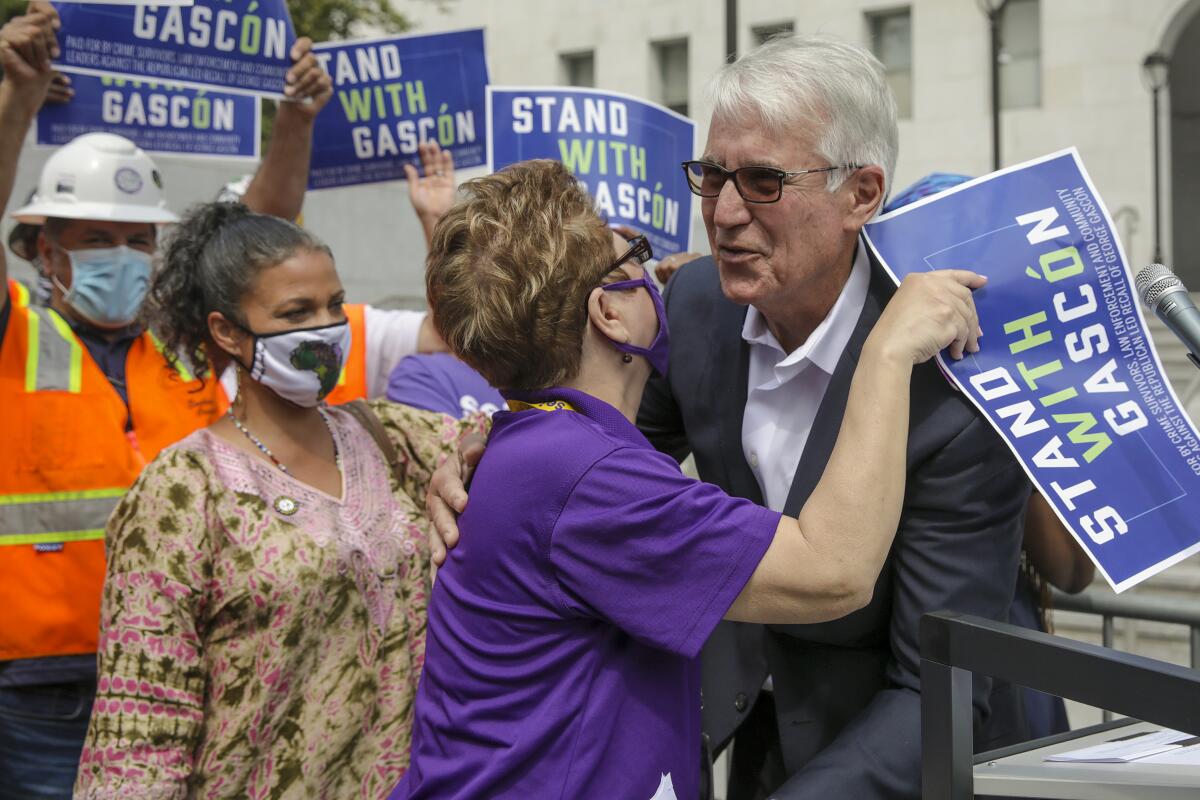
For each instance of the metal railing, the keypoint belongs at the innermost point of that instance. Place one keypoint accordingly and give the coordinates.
(953, 646)
(1111, 607)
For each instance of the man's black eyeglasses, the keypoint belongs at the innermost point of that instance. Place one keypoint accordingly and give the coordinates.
(754, 184)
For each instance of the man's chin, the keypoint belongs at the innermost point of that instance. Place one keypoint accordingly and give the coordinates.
(744, 290)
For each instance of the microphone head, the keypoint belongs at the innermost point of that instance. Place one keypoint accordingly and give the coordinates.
(1154, 281)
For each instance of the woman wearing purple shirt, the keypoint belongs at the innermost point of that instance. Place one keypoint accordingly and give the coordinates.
(564, 629)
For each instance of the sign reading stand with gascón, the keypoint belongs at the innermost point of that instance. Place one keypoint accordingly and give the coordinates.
(1067, 372)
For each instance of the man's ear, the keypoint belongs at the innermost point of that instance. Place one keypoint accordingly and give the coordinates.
(605, 316)
(228, 336)
(866, 187)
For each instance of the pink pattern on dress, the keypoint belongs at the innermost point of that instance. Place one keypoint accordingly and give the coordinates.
(367, 529)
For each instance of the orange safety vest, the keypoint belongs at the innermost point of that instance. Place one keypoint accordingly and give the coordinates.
(352, 385)
(18, 293)
(65, 463)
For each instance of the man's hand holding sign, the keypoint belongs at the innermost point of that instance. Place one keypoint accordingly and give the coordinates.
(27, 45)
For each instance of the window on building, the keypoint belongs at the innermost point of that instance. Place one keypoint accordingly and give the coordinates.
(763, 32)
(671, 74)
(891, 41)
(578, 69)
(1021, 55)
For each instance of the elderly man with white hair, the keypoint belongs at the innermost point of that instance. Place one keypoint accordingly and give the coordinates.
(765, 337)
(800, 156)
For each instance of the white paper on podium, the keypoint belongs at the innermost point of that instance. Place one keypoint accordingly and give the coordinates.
(1180, 756)
(1127, 748)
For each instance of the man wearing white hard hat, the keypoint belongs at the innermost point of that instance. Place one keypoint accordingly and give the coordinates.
(86, 396)
(98, 201)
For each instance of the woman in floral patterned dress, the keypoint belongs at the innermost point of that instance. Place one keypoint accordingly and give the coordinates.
(263, 619)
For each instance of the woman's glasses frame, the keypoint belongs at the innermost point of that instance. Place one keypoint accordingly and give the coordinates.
(639, 248)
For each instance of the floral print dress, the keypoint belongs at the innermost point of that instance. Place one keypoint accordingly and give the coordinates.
(260, 638)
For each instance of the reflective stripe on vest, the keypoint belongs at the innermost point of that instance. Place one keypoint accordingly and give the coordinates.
(54, 356)
(184, 373)
(56, 516)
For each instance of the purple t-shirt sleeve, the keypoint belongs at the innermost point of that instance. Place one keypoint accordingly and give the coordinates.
(658, 554)
(440, 382)
(414, 384)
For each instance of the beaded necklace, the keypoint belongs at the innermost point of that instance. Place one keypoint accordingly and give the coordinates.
(237, 423)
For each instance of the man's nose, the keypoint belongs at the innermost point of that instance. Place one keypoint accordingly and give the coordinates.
(731, 209)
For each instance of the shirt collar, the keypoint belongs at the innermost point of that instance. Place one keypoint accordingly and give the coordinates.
(85, 330)
(595, 409)
(828, 340)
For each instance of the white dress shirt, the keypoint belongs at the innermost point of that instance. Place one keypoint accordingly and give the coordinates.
(785, 390)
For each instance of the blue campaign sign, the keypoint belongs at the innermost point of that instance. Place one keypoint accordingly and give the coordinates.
(162, 118)
(392, 93)
(625, 150)
(1066, 373)
(242, 45)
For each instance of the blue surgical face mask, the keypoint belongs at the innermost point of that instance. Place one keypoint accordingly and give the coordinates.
(108, 285)
(659, 351)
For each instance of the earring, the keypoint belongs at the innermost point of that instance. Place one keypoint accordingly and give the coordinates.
(239, 402)
(627, 358)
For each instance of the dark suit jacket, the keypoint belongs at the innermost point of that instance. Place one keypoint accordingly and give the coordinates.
(847, 691)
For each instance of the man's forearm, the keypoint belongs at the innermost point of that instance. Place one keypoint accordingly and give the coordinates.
(16, 115)
(428, 223)
(850, 519)
(282, 179)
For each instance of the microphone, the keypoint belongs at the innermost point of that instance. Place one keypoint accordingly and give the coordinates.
(1167, 297)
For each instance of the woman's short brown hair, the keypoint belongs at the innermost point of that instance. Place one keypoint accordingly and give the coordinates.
(509, 272)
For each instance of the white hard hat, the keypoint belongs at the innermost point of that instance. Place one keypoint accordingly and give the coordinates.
(98, 176)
